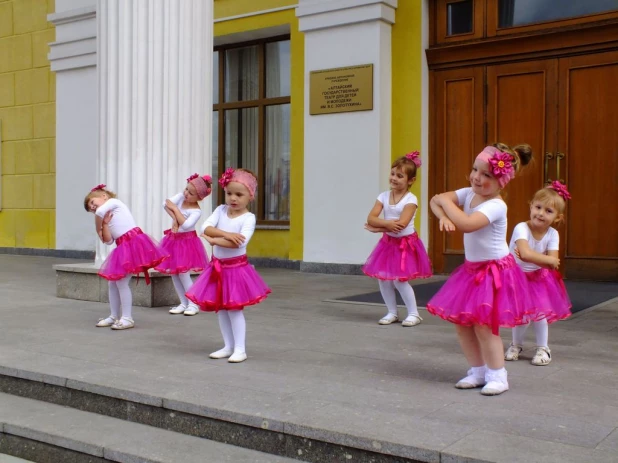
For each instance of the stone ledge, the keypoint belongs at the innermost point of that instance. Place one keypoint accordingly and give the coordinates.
(62, 253)
(81, 282)
(34, 450)
(250, 432)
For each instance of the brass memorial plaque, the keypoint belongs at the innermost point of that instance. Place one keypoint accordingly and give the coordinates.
(341, 90)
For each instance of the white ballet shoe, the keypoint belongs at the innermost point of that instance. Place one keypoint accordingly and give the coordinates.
(238, 357)
(221, 354)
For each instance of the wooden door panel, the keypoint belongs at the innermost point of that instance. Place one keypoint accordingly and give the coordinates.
(458, 121)
(521, 108)
(588, 138)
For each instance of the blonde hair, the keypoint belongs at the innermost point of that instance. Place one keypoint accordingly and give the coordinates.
(550, 197)
(405, 164)
(96, 194)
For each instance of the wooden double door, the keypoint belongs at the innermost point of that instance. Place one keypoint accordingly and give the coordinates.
(567, 110)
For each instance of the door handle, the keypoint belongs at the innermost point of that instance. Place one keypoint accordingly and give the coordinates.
(548, 156)
(559, 157)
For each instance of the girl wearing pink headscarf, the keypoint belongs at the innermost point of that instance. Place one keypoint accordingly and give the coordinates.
(230, 283)
(489, 290)
(181, 243)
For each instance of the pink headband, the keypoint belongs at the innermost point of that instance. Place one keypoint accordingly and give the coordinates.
(201, 185)
(415, 157)
(561, 189)
(240, 176)
(98, 187)
(500, 164)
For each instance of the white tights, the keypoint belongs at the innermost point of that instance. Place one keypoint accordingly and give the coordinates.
(540, 329)
(387, 288)
(233, 328)
(182, 283)
(120, 297)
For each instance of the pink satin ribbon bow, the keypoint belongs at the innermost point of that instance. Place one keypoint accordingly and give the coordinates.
(497, 282)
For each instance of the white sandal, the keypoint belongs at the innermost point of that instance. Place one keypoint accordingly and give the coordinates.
(388, 319)
(512, 353)
(106, 322)
(123, 324)
(412, 320)
(541, 357)
(178, 309)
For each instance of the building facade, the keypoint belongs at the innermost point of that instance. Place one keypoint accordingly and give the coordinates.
(28, 132)
(139, 107)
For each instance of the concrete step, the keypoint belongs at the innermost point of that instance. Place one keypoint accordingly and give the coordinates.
(33, 429)
(254, 429)
(4, 458)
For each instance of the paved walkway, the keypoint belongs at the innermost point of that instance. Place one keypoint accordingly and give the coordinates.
(329, 371)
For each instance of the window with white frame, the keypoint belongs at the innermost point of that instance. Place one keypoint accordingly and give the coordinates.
(251, 121)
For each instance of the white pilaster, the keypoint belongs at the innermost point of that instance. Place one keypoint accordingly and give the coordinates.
(73, 59)
(154, 67)
(347, 155)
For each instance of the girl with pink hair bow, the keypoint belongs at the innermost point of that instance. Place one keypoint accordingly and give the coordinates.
(229, 284)
(535, 245)
(400, 255)
(185, 249)
(489, 290)
(135, 253)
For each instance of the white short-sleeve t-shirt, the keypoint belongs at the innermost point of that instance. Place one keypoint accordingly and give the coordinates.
(487, 243)
(243, 224)
(191, 215)
(394, 211)
(549, 242)
(122, 220)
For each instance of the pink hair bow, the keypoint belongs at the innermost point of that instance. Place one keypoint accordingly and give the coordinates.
(560, 189)
(192, 177)
(98, 187)
(415, 157)
(208, 178)
(226, 177)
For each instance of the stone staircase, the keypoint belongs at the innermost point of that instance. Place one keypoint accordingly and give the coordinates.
(45, 418)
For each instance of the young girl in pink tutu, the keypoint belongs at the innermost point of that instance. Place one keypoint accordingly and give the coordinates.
(400, 255)
(181, 242)
(229, 283)
(489, 290)
(135, 253)
(535, 245)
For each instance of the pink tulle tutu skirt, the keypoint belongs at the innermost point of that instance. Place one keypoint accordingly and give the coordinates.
(186, 253)
(493, 293)
(135, 253)
(549, 295)
(400, 259)
(228, 284)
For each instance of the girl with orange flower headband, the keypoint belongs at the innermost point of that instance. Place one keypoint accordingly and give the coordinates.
(535, 245)
(489, 290)
(229, 284)
(185, 249)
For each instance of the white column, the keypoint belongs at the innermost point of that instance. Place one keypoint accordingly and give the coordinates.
(73, 59)
(347, 155)
(154, 67)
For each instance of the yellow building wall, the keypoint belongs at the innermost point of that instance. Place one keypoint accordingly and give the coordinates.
(28, 118)
(286, 244)
(407, 87)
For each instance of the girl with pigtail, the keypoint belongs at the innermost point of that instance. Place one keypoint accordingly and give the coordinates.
(400, 255)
